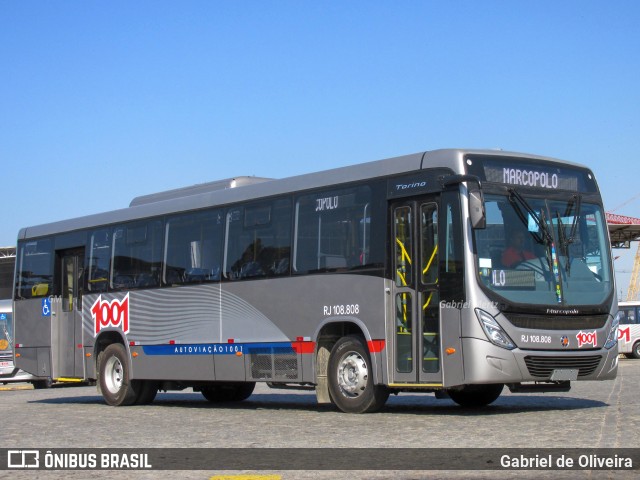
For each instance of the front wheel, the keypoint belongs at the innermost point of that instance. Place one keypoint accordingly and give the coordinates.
(635, 351)
(474, 396)
(115, 385)
(350, 377)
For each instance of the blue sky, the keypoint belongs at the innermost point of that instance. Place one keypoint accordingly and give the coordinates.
(104, 101)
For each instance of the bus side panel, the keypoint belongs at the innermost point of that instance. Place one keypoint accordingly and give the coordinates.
(235, 331)
(32, 330)
(628, 335)
(164, 326)
(452, 364)
(270, 311)
(187, 367)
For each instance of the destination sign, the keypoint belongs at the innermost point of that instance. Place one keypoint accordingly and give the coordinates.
(513, 279)
(534, 176)
(529, 173)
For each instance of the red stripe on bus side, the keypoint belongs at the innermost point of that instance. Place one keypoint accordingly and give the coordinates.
(303, 347)
(375, 346)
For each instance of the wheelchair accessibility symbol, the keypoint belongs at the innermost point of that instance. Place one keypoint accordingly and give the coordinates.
(46, 307)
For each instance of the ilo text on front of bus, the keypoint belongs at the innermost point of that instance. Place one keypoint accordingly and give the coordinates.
(454, 272)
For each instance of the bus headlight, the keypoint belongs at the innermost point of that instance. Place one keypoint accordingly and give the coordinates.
(612, 339)
(494, 331)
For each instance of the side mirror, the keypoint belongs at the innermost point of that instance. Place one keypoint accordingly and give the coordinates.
(477, 213)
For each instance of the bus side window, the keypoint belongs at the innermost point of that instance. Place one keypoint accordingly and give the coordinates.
(193, 248)
(99, 260)
(333, 230)
(35, 269)
(258, 242)
(137, 255)
(627, 315)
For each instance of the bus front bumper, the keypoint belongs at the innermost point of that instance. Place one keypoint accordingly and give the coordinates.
(488, 363)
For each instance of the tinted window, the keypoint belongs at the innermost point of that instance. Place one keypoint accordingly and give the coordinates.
(99, 258)
(258, 240)
(628, 315)
(429, 243)
(333, 230)
(194, 248)
(137, 255)
(35, 269)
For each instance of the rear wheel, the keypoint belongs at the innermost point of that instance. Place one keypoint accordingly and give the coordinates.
(116, 387)
(40, 384)
(474, 396)
(350, 377)
(635, 351)
(228, 392)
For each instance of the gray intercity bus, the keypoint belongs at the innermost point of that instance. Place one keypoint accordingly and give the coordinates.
(454, 272)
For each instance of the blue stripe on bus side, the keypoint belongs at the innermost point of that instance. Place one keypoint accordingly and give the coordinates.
(219, 348)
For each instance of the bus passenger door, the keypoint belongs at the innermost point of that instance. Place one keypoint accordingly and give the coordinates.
(416, 329)
(66, 329)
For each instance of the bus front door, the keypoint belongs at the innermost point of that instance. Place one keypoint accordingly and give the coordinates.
(416, 319)
(67, 359)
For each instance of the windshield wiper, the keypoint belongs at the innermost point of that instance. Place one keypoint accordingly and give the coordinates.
(564, 243)
(543, 235)
(577, 199)
(566, 240)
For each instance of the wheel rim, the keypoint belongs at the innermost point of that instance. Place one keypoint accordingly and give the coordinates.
(114, 374)
(352, 375)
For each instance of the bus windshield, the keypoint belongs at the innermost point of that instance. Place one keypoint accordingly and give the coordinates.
(544, 251)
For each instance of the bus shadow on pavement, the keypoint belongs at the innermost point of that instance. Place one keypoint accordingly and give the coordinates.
(400, 405)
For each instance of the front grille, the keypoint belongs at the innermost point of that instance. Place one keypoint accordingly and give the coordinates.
(543, 367)
(550, 322)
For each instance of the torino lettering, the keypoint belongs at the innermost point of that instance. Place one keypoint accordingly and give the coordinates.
(113, 313)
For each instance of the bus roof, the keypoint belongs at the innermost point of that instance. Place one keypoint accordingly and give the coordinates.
(213, 194)
(196, 189)
(629, 303)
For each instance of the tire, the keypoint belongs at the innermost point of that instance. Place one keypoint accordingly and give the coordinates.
(117, 390)
(228, 392)
(147, 391)
(635, 351)
(475, 396)
(42, 384)
(350, 377)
